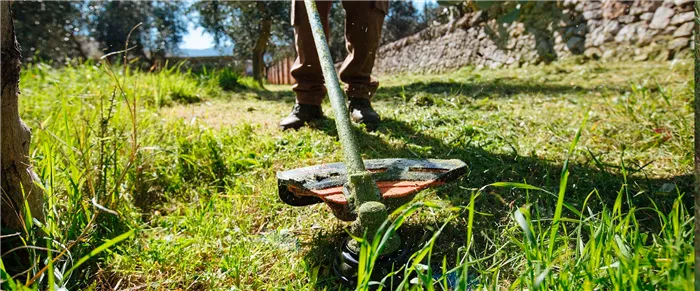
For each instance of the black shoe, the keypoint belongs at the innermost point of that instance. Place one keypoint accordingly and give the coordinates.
(361, 111)
(300, 115)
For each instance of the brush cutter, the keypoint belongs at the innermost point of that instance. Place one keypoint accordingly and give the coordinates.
(358, 190)
(398, 180)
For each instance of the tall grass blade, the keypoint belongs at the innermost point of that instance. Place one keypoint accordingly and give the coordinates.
(517, 185)
(562, 188)
(99, 249)
(6, 281)
(525, 226)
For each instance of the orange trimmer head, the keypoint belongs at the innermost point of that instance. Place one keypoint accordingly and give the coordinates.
(398, 181)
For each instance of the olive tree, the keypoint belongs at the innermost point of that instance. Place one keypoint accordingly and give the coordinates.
(17, 178)
(254, 28)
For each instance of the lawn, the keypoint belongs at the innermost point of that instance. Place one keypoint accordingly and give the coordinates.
(187, 171)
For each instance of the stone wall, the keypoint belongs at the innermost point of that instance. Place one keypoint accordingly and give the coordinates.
(546, 32)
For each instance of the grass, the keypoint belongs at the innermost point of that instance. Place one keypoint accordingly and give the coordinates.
(172, 179)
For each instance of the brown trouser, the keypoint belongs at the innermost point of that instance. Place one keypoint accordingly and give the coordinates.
(363, 29)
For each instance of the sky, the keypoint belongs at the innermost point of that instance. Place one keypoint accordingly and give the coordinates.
(197, 38)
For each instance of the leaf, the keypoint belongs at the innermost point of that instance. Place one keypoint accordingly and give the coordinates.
(572, 209)
(484, 5)
(522, 222)
(540, 278)
(510, 17)
(7, 281)
(562, 187)
(623, 248)
(99, 249)
(516, 185)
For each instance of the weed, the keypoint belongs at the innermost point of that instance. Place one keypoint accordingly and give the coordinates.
(229, 80)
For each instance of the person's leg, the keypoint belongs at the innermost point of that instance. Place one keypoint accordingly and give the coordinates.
(363, 29)
(306, 69)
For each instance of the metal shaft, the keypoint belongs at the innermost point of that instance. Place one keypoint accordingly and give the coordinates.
(353, 161)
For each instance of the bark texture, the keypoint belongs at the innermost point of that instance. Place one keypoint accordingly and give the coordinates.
(16, 175)
(696, 54)
(261, 45)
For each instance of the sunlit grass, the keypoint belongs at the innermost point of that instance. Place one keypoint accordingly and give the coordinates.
(187, 169)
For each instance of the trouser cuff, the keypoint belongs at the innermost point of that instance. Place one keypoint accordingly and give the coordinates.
(365, 91)
(311, 98)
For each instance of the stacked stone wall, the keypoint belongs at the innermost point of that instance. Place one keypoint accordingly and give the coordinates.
(547, 31)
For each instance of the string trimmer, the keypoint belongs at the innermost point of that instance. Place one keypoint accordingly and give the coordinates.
(357, 190)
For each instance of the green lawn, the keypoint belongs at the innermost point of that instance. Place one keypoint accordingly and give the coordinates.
(196, 181)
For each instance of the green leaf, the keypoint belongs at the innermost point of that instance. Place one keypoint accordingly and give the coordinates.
(522, 222)
(562, 187)
(624, 250)
(449, 2)
(513, 15)
(540, 278)
(572, 209)
(516, 185)
(99, 249)
(7, 282)
(484, 5)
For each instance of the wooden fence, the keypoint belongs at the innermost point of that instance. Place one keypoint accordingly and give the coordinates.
(279, 72)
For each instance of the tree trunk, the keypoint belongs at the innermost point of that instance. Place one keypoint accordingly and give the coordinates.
(696, 54)
(261, 45)
(16, 175)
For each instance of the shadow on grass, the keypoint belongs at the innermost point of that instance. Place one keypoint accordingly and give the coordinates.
(498, 88)
(484, 168)
(286, 96)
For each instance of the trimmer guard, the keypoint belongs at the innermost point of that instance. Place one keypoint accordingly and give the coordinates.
(398, 181)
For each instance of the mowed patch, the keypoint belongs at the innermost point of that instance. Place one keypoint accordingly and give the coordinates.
(219, 113)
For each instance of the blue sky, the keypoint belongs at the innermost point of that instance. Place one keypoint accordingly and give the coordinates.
(197, 38)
